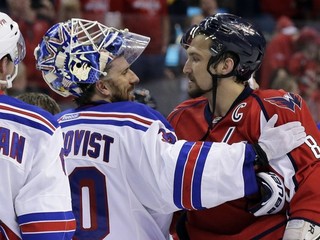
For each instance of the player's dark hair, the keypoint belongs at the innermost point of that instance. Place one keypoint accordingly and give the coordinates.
(41, 100)
(226, 55)
(87, 93)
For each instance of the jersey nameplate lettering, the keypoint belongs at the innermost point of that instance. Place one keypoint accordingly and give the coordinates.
(85, 143)
(11, 144)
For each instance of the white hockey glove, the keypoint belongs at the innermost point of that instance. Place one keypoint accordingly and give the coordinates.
(272, 192)
(298, 229)
(278, 141)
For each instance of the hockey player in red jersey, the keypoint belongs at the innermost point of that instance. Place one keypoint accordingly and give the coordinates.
(127, 172)
(223, 51)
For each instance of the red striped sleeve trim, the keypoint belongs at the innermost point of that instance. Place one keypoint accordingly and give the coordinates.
(188, 175)
(45, 226)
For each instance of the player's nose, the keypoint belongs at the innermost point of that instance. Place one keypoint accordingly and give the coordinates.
(186, 67)
(133, 77)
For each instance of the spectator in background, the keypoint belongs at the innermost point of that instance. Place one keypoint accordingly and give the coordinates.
(69, 9)
(285, 26)
(279, 50)
(251, 10)
(177, 10)
(44, 10)
(32, 28)
(287, 7)
(304, 66)
(208, 8)
(95, 9)
(283, 80)
(41, 100)
(148, 18)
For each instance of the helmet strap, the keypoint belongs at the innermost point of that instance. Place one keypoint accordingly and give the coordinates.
(215, 78)
(10, 78)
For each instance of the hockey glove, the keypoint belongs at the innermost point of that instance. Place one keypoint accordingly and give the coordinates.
(273, 196)
(298, 229)
(278, 141)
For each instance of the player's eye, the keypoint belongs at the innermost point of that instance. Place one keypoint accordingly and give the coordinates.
(125, 71)
(195, 59)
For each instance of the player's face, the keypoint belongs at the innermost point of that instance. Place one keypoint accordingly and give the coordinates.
(195, 68)
(121, 81)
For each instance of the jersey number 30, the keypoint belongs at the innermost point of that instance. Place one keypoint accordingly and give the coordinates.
(89, 203)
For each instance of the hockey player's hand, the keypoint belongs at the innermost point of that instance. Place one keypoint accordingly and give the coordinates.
(298, 229)
(272, 195)
(278, 141)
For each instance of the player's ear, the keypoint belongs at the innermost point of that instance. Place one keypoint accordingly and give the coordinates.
(3, 65)
(227, 65)
(102, 88)
(211, 68)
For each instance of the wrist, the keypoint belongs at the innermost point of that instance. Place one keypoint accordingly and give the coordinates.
(261, 158)
(249, 174)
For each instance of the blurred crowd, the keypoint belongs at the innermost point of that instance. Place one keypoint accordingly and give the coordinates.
(291, 28)
(292, 62)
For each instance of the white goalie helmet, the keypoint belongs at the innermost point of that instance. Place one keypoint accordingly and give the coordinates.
(77, 52)
(12, 44)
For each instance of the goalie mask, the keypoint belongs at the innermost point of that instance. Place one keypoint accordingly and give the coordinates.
(11, 44)
(77, 51)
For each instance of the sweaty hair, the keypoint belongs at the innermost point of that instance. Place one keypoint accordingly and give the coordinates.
(86, 95)
(41, 100)
(226, 55)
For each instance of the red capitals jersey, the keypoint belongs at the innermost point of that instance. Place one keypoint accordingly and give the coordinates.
(300, 168)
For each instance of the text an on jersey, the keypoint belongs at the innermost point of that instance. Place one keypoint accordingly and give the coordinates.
(11, 144)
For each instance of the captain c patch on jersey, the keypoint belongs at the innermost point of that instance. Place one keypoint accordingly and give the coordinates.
(288, 101)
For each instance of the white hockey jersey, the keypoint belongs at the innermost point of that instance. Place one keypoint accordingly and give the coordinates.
(34, 194)
(127, 176)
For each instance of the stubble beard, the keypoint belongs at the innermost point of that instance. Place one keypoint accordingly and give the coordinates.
(195, 91)
(119, 96)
